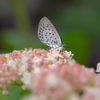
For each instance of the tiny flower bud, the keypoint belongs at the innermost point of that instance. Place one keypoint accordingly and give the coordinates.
(5, 92)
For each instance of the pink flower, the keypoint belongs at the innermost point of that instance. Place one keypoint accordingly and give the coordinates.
(49, 75)
(91, 93)
(63, 81)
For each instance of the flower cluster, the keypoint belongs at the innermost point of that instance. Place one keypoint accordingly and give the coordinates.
(49, 75)
(69, 81)
(25, 63)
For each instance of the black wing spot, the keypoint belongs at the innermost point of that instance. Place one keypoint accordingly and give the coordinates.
(49, 33)
(39, 30)
(47, 40)
(52, 34)
(42, 40)
(55, 42)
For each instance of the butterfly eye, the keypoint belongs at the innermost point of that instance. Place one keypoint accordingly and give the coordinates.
(63, 43)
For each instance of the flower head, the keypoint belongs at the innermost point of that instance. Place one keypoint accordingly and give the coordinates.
(25, 63)
(49, 75)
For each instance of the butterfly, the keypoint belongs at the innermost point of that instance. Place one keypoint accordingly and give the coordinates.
(48, 34)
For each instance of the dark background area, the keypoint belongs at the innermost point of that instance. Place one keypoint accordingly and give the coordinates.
(77, 21)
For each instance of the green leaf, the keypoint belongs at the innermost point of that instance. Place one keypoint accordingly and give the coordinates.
(24, 92)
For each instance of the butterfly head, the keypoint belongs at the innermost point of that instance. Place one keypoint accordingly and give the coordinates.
(63, 43)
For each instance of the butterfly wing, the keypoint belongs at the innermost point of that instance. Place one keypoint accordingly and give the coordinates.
(47, 33)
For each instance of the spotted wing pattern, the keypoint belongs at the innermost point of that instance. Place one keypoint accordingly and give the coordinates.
(48, 34)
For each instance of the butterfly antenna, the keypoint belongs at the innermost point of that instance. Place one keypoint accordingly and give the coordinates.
(67, 46)
(70, 42)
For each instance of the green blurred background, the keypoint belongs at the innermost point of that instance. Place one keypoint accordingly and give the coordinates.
(77, 21)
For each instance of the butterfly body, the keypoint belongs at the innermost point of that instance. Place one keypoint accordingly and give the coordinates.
(48, 34)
